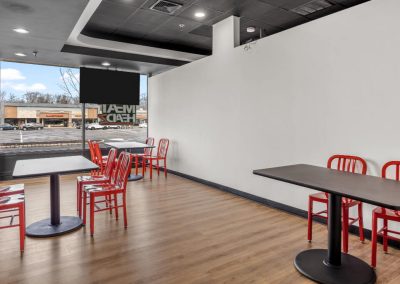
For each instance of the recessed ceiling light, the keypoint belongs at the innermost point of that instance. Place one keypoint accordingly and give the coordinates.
(251, 29)
(21, 30)
(105, 63)
(199, 14)
(181, 26)
(20, 54)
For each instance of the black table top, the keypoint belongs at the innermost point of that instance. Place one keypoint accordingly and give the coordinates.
(128, 145)
(369, 189)
(48, 166)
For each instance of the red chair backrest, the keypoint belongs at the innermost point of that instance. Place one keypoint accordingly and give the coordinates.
(92, 155)
(347, 163)
(150, 142)
(98, 156)
(385, 168)
(124, 167)
(396, 165)
(110, 165)
(162, 148)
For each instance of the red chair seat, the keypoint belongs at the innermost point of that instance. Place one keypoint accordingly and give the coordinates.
(8, 205)
(387, 213)
(12, 189)
(319, 196)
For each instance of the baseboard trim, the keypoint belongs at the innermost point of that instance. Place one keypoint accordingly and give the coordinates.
(276, 205)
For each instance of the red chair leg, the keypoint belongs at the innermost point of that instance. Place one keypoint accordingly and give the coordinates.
(79, 200)
(92, 214)
(22, 227)
(136, 164)
(361, 222)
(310, 212)
(158, 167)
(151, 168)
(124, 208)
(84, 204)
(165, 167)
(109, 203)
(385, 235)
(374, 239)
(77, 195)
(143, 166)
(116, 206)
(345, 230)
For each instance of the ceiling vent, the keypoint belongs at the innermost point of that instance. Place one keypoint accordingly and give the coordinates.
(312, 7)
(166, 7)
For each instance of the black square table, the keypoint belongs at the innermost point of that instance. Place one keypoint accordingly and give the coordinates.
(331, 265)
(129, 145)
(56, 224)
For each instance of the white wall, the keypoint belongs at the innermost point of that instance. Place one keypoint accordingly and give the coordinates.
(328, 86)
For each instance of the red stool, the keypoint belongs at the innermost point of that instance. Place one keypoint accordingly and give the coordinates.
(95, 179)
(386, 215)
(161, 156)
(345, 163)
(11, 201)
(147, 152)
(109, 191)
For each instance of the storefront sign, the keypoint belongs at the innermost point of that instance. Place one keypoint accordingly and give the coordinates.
(117, 114)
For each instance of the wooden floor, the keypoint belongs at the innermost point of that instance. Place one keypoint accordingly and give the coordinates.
(179, 232)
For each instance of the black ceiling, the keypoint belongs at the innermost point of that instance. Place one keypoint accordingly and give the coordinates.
(51, 22)
(132, 21)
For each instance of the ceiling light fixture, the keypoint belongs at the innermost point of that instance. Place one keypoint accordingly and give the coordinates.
(181, 26)
(251, 29)
(106, 64)
(21, 30)
(20, 54)
(199, 14)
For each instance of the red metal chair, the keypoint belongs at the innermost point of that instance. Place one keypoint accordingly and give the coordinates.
(346, 163)
(12, 201)
(109, 191)
(98, 158)
(386, 215)
(161, 156)
(95, 179)
(146, 152)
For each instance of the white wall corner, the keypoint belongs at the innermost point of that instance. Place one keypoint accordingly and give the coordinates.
(226, 35)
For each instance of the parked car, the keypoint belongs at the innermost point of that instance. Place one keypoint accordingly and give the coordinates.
(7, 126)
(94, 126)
(112, 126)
(31, 126)
(143, 125)
(79, 126)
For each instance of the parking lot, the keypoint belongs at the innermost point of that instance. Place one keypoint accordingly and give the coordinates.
(63, 137)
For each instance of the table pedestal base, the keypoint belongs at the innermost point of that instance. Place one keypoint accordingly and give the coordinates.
(43, 228)
(133, 177)
(311, 263)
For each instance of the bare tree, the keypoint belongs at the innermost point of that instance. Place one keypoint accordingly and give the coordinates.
(70, 83)
(3, 96)
(14, 99)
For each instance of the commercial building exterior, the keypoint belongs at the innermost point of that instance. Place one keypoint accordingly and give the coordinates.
(62, 115)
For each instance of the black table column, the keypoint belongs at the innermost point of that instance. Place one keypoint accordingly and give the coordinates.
(55, 199)
(331, 265)
(55, 225)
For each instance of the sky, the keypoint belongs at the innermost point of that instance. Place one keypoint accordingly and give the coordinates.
(19, 78)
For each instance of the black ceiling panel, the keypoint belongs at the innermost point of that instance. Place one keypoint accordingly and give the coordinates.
(189, 12)
(203, 31)
(281, 18)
